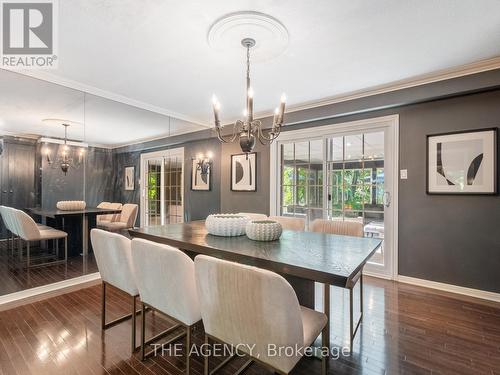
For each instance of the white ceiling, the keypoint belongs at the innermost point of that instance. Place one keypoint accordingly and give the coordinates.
(154, 53)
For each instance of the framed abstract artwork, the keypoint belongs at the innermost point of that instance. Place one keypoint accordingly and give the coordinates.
(244, 172)
(199, 181)
(462, 162)
(129, 177)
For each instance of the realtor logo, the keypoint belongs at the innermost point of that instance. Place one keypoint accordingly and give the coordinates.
(29, 34)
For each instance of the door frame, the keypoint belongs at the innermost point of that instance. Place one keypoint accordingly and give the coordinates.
(392, 123)
(155, 155)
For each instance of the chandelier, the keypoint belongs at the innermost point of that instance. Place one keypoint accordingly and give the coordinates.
(249, 130)
(65, 161)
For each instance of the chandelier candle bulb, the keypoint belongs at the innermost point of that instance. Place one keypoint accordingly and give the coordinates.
(250, 105)
(282, 109)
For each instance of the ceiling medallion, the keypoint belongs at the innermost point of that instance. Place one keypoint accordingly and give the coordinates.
(225, 35)
(249, 26)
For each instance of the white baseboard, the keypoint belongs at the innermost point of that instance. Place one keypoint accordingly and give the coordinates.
(23, 297)
(482, 294)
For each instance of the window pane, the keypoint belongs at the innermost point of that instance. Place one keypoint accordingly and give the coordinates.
(302, 172)
(316, 151)
(353, 176)
(301, 195)
(374, 145)
(315, 175)
(354, 147)
(355, 196)
(336, 173)
(336, 198)
(354, 216)
(335, 215)
(316, 196)
(287, 176)
(287, 153)
(336, 149)
(287, 195)
(302, 152)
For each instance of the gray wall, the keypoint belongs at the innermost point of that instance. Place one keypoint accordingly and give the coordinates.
(450, 239)
(244, 201)
(197, 204)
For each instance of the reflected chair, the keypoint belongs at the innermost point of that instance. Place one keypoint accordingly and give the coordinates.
(108, 218)
(166, 282)
(245, 307)
(29, 231)
(113, 256)
(290, 223)
(9, 225)
(125, 220)
(345, 228)
(253, 216)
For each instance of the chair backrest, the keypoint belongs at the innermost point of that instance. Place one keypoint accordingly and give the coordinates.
(4, 212)
(253, 216)
(26, 227)
(165, 279)
(241, 304)
(290, 223)
(103, 205)
(342, 227)
(114, 259)
(129, 214)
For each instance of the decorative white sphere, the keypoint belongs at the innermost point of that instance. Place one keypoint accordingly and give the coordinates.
(227, 225)
(263, 230)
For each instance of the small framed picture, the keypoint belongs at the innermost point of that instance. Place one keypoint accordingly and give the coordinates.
(129, 178)
(462, 162)
(199, 181)
(244, 172)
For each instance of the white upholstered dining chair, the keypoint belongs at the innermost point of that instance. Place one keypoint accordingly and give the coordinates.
(27, 230)
(341, 227)
(125, 220)
(290, 223)
(166, 281)
(245, 305)
(113, 256)
(345, 228)
(108, 218)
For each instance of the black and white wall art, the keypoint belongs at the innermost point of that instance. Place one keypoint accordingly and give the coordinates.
(199, 181)
(129, 176)
(462, 162)
(243, 172)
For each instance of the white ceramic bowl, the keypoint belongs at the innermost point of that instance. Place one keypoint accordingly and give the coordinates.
(227, 225)
(71, 205)
(263, 230)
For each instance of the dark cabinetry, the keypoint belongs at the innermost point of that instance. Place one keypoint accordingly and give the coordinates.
(17, 174)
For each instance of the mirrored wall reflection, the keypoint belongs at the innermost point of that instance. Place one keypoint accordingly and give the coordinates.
(58, 144)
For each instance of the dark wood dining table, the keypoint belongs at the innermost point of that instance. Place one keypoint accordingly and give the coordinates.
(77, 222)
(303, 258)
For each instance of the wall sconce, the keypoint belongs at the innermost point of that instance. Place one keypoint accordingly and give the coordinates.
(46, 153)
(204, 163)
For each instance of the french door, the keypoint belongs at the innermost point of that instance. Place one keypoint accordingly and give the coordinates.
(342, 172)
(162, 187)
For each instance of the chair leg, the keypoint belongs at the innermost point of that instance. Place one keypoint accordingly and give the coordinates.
(206, 358)
(57, 248)
(65, 249)
(103, 306)
(28, 254)
(188, 348)
(134, 300)
(143, 330)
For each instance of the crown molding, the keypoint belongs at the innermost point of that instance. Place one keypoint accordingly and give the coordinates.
(424, 79)
(75, 85)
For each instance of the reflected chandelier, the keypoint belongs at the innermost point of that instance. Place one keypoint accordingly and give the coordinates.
(249, 129)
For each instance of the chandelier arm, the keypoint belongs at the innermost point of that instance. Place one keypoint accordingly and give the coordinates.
(262, 137)
(230, 139)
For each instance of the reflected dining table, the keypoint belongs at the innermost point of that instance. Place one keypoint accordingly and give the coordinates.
(77, 222)
(303, 258)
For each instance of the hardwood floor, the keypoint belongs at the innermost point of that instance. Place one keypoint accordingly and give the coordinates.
(406, 330)
(14, 279)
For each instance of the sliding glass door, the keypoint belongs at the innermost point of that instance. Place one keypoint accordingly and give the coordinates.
(162, 188)
(342, 172)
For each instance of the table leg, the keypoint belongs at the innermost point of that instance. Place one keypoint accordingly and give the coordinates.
(85, 235)
(326, 309)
